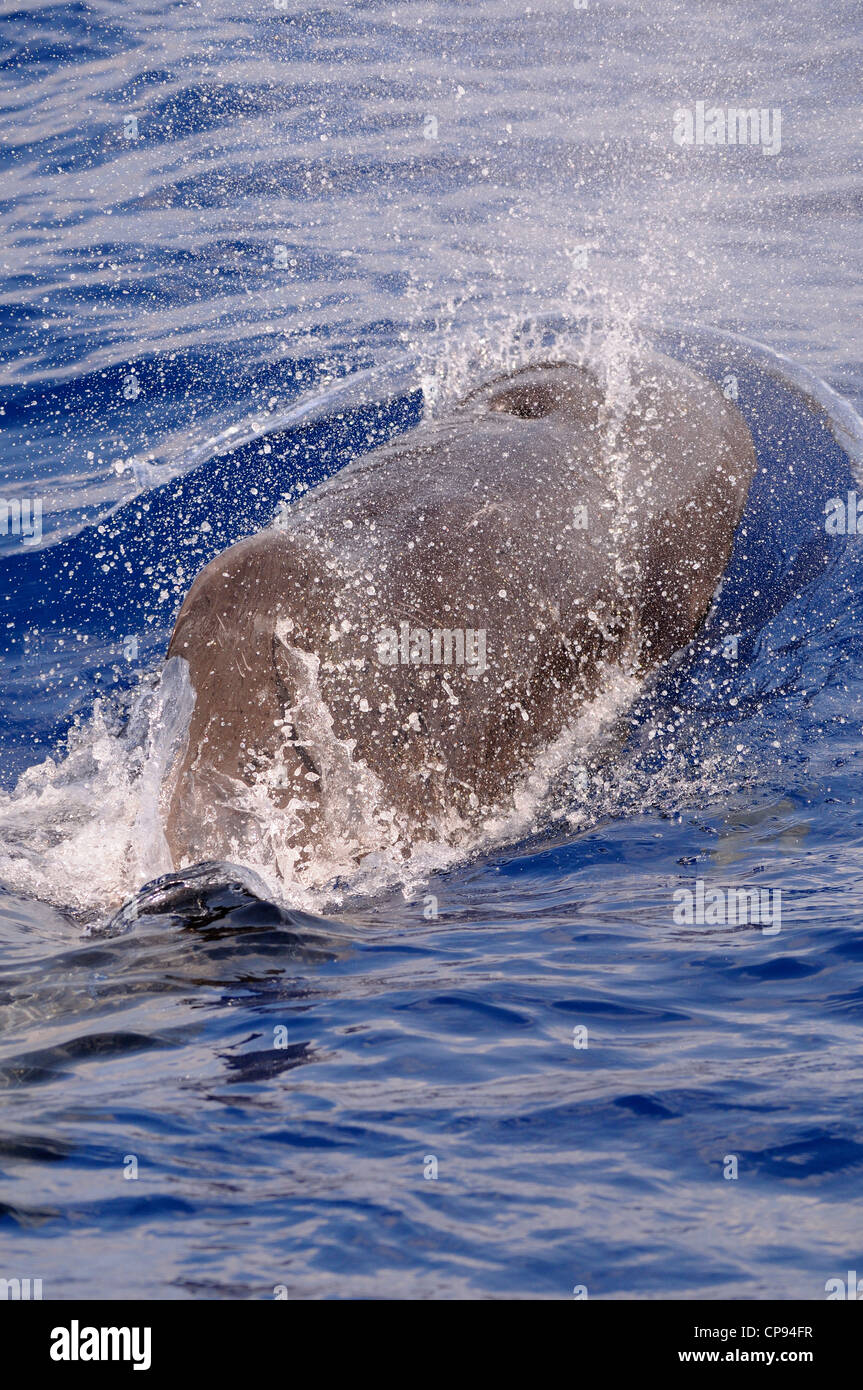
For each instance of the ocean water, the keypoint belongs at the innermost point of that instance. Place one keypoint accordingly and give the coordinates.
(241, 244)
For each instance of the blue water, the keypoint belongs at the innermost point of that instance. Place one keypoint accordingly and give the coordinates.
(168, 377)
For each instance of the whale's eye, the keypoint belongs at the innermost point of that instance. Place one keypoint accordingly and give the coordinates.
(528, 402)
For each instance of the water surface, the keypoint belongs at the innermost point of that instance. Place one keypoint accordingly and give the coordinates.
(451, 185)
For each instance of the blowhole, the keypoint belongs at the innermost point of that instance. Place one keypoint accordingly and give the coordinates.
(527, 402)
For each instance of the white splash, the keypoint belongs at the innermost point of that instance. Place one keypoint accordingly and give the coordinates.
(85, 830)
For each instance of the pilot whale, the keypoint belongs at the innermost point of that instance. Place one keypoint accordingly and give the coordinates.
(385, 665)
